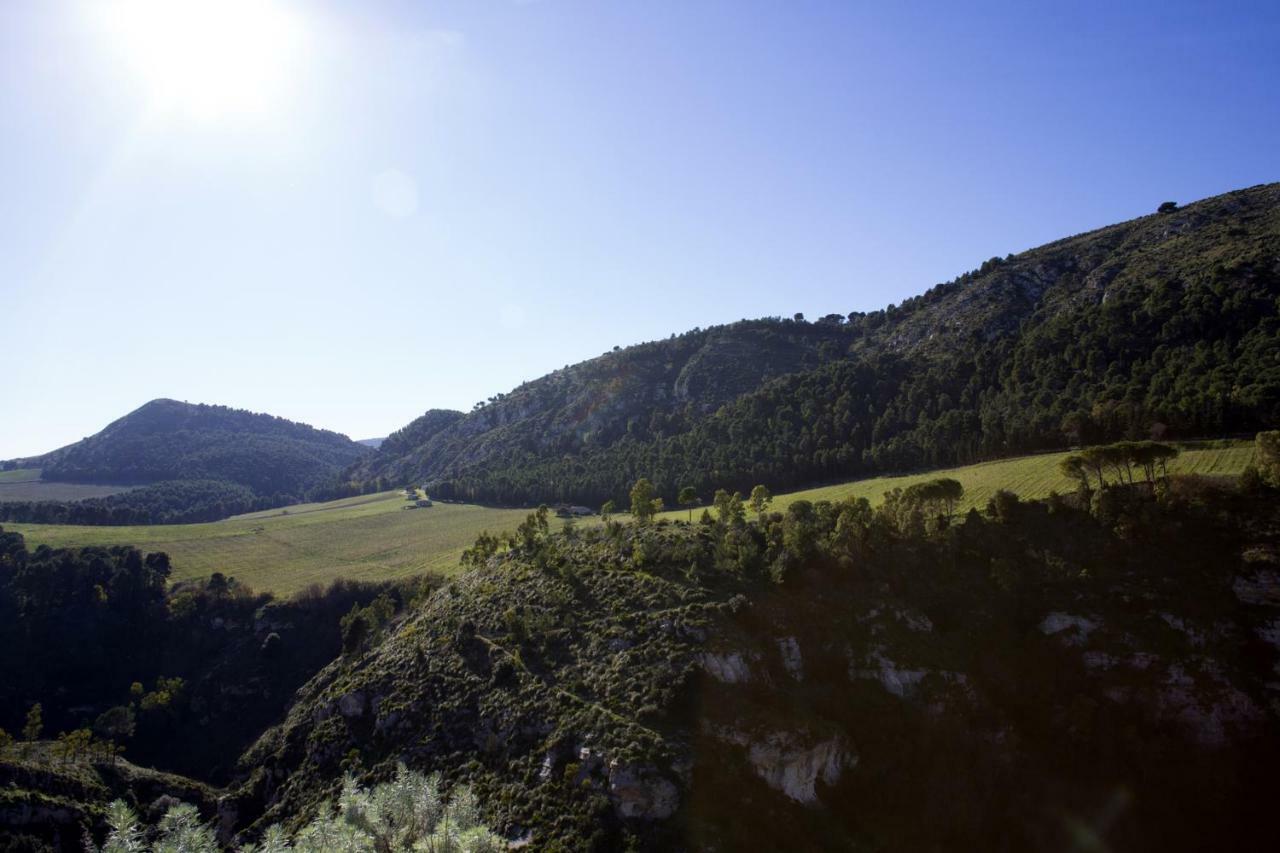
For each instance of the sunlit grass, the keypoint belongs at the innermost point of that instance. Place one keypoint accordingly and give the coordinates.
(1028, 476)
(373, 537)
(24, 484)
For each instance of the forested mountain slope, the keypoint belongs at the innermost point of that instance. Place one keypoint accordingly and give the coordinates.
(657, 388)
(169, 440)
(1163, 325)
(419, 431)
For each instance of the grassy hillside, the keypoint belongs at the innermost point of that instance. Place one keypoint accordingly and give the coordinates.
(1028, 476)
(24, 484)
(372, 537)
(282, 551)
(36, 490)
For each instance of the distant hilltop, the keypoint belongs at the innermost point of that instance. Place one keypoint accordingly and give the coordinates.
(191, 462)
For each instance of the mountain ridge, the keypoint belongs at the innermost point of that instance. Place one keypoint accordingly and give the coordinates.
(1158, 325)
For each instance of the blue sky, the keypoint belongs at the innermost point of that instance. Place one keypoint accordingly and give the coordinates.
(401, 205)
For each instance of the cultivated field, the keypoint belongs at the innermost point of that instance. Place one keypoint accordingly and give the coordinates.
(373, 537)
(1028, 476)
(23, 484)
(282, 551)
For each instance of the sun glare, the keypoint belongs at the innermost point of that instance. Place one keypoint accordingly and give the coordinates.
(208, 59)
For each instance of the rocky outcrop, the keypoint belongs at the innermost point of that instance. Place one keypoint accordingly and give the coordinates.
(1070, 629)
(899, 681)
(50, 801)
(792, 661)
(352, 705)
(641, 793)
(727, 667)
(1261, 587)
(1209, 706)
(793, 762)
(794, 769)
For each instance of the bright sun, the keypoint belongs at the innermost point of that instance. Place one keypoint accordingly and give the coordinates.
(208, 59)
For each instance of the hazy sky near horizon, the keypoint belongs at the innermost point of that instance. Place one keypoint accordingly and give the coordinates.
(346, 213)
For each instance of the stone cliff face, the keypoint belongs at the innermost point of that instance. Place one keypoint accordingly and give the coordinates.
(791, 762)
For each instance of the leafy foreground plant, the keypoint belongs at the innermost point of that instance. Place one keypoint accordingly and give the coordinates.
(410, 813)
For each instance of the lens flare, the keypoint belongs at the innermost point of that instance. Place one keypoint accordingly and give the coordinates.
(207, 59)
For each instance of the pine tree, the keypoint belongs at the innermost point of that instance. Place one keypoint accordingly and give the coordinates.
(35, 723)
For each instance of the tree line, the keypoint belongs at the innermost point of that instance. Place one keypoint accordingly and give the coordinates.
(1119, 461)
(100, 640)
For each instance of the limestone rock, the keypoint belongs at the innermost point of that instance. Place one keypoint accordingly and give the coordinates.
(791, 658)
(786, 764)
(727, 667)
(641, 792)
(1075, 630)
(351, 705)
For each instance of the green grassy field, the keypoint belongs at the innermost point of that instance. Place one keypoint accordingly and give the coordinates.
(1028, 476)
(23, 484)
(373, 537)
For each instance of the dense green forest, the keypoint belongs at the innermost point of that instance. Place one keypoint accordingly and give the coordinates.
(419, 431)
(192, 463)
(100, 640)
(169, 440)
(1101, 659)
(1165, 326)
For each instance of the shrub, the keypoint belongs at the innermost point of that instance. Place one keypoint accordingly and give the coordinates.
(1267, 446)
(408, 813)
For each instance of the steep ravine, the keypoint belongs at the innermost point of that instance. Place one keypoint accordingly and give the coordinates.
(615, 689)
